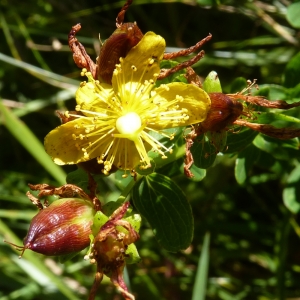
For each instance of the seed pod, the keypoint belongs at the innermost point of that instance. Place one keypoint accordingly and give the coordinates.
(117, 45)
(62, 228)
(223, 112)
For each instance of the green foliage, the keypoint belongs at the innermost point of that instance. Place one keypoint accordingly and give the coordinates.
(212, 83)
(293, 14)
(162, 203)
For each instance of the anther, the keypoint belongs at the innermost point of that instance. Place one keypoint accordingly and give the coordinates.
(151, 61)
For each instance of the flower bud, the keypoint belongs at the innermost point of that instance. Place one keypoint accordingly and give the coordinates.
(222, 113)
(62, 228)
(117, 45)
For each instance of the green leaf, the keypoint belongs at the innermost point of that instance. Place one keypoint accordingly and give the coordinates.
(293, 13)
(99, 220)
(172, 169)
(79, 178)
(200, 284)
(272, 92)
(244, 163)
(212, 83)
(163, 204)
(135, 220)
(198, 173)
(280, 149)
(29, 141)
(291, 194)
(133, 256)
(292, 72)
(276, 119)
(204, 153)
(218, 139)
(240, 140)
(238, 85)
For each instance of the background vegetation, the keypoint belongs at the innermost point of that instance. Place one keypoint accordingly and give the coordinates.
(248, 200)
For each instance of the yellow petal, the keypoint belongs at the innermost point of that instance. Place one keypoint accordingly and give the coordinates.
(145, 57)
(127, 156)
(64, 149)
(92, 96)
(193, 100)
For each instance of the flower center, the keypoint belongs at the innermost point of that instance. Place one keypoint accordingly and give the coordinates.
(129, 124)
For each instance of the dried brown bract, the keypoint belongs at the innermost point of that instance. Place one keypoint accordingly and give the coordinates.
(109, 251)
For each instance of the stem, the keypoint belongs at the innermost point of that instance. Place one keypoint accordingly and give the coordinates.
(128, 188)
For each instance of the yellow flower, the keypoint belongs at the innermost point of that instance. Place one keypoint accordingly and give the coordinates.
(116, 120)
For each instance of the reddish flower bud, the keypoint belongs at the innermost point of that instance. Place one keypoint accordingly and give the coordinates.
(62, 228)
(223, 112)
(117, 45)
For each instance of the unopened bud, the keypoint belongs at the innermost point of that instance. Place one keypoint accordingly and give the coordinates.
(62, 228)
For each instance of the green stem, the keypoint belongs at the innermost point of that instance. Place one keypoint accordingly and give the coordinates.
(128, 188)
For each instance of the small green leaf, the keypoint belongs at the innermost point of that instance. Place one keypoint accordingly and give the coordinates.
(135, 220)
(238, 85)
(212, 83)
(272, 92)
(218, 139)
(198, 173)
(133, 256)
(204, 153)
(291, 194)
(163, 204)
(99, 220)
(244, 163)
(293, 13)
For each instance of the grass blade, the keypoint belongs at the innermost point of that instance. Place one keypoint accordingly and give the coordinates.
(199, 290)
(25, 136)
